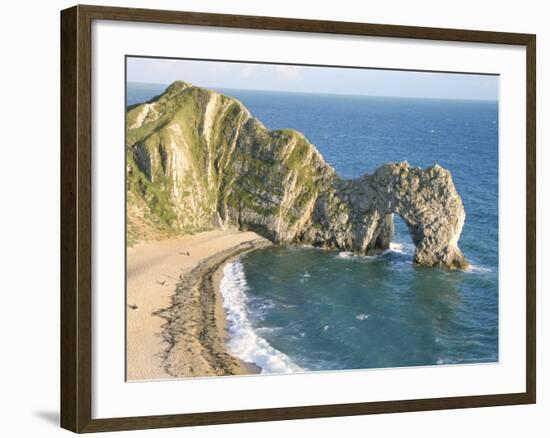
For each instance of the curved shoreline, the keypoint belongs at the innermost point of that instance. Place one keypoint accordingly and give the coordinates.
(155, 291)
(195, 331)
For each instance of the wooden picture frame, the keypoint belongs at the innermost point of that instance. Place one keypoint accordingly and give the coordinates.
(76, 217)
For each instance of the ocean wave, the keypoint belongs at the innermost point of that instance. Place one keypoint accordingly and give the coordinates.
(401, 248)
(476, 269)
(244, 343)
(348, 255)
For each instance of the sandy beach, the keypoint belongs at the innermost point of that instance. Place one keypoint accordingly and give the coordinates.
(176, 324)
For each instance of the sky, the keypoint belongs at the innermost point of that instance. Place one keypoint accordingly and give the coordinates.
(307, 79)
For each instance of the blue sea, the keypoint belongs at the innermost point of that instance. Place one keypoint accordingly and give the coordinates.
(304, 309)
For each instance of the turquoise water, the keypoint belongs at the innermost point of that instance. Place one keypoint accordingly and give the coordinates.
(294, 309)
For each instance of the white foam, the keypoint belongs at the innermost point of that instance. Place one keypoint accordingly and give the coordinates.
(475, 269)
(347, 255)
(396, 247)
(243, 342)
(361, 317)
(401, 248)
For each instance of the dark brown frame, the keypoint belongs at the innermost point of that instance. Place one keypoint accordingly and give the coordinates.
(76, 218)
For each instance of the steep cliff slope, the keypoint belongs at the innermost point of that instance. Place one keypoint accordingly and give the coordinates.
(197, 159)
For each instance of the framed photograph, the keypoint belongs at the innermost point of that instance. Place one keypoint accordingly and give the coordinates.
(269, 218)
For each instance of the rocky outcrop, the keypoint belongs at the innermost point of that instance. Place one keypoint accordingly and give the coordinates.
(197, 159)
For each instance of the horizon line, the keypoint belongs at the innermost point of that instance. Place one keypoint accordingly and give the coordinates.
(316, 93)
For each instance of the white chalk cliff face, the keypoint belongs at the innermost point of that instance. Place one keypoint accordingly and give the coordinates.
(197, 159)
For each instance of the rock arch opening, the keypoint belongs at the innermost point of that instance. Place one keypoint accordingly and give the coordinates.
(419, 205)
(401, 241)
